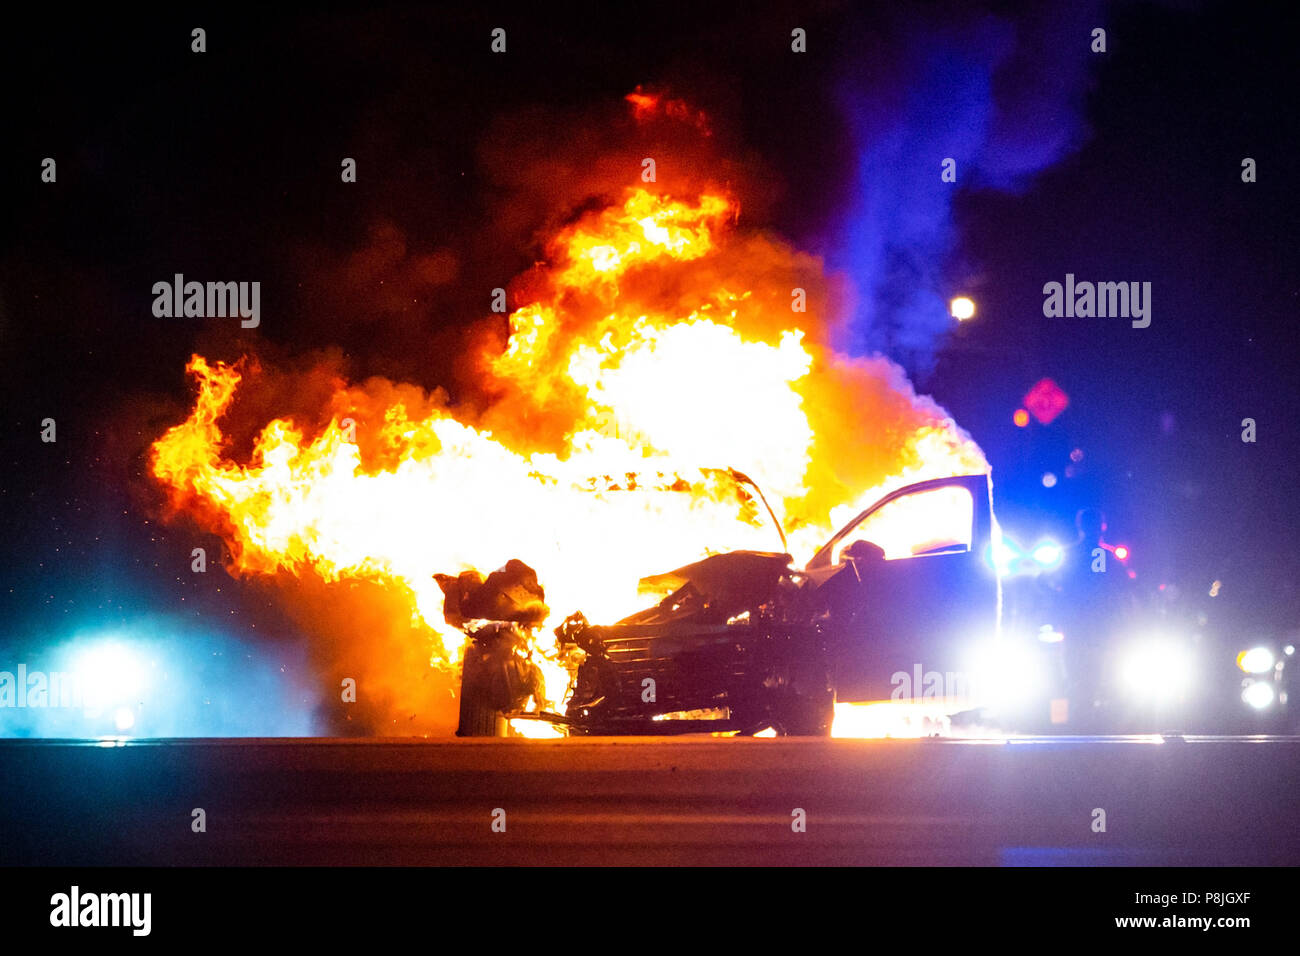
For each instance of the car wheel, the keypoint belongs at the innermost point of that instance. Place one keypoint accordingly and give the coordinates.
(479, 715)
(808, 716)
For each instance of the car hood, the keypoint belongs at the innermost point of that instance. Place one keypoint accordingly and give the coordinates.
(722, 584)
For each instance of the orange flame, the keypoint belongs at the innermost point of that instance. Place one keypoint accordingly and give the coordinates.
(647, 105)
(662, 344)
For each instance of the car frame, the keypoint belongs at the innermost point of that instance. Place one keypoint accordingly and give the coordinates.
(747, 643)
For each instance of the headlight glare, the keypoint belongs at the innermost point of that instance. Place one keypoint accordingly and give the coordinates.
(1258, 694)
(1048, 554)
(1158, 669)
(1257, 660)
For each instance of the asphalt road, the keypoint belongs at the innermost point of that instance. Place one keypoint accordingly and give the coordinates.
(1194, 801)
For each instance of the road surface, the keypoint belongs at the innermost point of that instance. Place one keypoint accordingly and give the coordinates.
(656, 801)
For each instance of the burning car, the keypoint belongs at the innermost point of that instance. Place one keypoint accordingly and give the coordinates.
(560, 442)
(744, 641)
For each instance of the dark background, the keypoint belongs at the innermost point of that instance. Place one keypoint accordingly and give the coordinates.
(226, 165)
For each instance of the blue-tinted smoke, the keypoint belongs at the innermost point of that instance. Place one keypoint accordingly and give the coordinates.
(1001, 96)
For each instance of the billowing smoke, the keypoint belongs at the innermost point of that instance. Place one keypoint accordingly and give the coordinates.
(1000, 97)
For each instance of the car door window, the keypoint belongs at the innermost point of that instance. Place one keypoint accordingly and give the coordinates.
(937, 521)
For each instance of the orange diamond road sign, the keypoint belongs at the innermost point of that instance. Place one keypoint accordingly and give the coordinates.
(1045, 400)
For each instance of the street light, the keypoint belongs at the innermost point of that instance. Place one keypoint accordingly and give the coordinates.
(962, 308)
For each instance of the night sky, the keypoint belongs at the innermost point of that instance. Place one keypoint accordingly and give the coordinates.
(225, 165)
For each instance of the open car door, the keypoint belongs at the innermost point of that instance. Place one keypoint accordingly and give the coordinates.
(908, 594)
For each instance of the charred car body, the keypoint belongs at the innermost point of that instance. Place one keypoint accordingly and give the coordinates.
(746, 642)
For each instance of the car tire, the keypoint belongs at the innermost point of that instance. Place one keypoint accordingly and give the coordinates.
(808, 716)
(479, 715)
